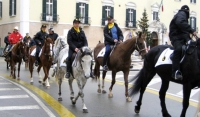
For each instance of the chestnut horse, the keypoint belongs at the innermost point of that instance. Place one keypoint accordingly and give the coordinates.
(46, 58)
(17, 54)
(119, 60)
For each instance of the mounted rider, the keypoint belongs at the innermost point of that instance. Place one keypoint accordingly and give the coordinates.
(26, 38)
(76, 39)
(52, 34)
(6, 41)
(13, 38)
(179, 34)
(39, 39)
(112, 34)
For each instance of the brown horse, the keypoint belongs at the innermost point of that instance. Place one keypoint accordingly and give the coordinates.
(46, 58)
(27, 53)
(119, 60)
(17, 54)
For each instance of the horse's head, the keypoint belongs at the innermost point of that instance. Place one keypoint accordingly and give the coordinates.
(141, 44)
(60, 43)
(21, 48)
(48, 47)
(86, 60)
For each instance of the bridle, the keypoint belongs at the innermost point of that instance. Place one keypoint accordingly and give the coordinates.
(60, 47)
(82, 55)
(137, 47)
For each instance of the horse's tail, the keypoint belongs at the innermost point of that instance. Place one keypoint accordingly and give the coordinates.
(138, 82)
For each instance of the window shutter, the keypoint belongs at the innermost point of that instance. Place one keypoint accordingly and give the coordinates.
(127, 17)
(134, 18)
(194, 1)
(77, 10)
(195, 23)
(1, 9)
(153, 15)
(112, 11)
(86, 13)
(103, 15)
(15, 8)
(44, 10)
(55, 10)
(190, 1)
(10, 8)
(190, 21)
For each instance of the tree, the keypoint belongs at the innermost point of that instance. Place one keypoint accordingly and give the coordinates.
(143, 22)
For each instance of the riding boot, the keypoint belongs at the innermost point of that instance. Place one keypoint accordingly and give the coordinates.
(68, 68)
(176, 73)
(36, 60)
(105, 67)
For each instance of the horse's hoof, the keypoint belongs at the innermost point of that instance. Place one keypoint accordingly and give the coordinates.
(40, 82)
(18, 78)
(168, 115)
(110, 95)
(104, 92)
(60, 99)
(85, 110)
(43, 84)
(128, 99)
(99, 90)
(31, 83)
(137, 109)
(73, 102)
(47, 87)
(71, 98)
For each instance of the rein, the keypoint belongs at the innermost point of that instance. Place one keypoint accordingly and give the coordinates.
(140, 50)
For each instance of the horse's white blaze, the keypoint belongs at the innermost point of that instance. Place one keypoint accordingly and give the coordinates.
(145, 46)
(51, 49)
(86, 64)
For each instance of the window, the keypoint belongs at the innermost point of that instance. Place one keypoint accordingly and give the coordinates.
(82, 12)
(0, 9)
(107, 9)
(155, 10)
(193, 1)
(130, 15)
(49, 11)
(155, 15)
(12, 7)
(193, 20)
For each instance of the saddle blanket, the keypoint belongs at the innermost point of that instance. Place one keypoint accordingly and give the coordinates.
(62, 63)
(164, 58)
(102, 52)
(34, 52)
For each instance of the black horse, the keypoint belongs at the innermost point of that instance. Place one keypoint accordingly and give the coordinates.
(190, 68)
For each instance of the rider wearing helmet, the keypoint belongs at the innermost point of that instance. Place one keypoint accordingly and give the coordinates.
(179, 34)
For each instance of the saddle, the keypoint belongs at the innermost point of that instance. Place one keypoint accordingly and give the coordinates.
(103, 50)
(184, 48)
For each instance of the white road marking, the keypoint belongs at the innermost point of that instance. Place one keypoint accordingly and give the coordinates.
(19, 107)
(14, 96)
(193, 92)
(154, 81)
(4, 83)
(33, 96)
(7, 89)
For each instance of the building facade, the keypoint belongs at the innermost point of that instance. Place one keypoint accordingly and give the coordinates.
(29, 15)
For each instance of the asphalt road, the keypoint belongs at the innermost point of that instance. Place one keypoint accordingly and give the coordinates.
(28, 100)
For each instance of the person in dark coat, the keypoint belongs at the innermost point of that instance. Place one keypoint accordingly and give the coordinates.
(179, 34)
(6, 41)
(112, 35)
(26, 38)
(39, 40)
(52, 34)
(32, 42)
(76, 39)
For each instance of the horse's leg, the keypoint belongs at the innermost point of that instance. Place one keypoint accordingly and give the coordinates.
(19, 64)
(11, 69)
(47, 79)
(85, 110)
(162, 93)
(14, 70)
(38, 70)
(71, 88)
(45, 75)
(97, 75)
(103, 82)
(31, 70)
(186, 97)
(147, 76)
(59, 93)
(110, 95)
(126, 72)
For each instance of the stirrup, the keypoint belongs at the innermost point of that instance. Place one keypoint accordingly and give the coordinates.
(67, 75)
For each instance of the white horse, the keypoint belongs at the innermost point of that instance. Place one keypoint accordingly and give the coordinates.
(81, 72)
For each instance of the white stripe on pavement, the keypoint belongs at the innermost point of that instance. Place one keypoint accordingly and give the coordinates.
(154, 81)
(19, 107)
(3, 83)
(13, 96)
(193, 92)
(6, 89)
(33, 96)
